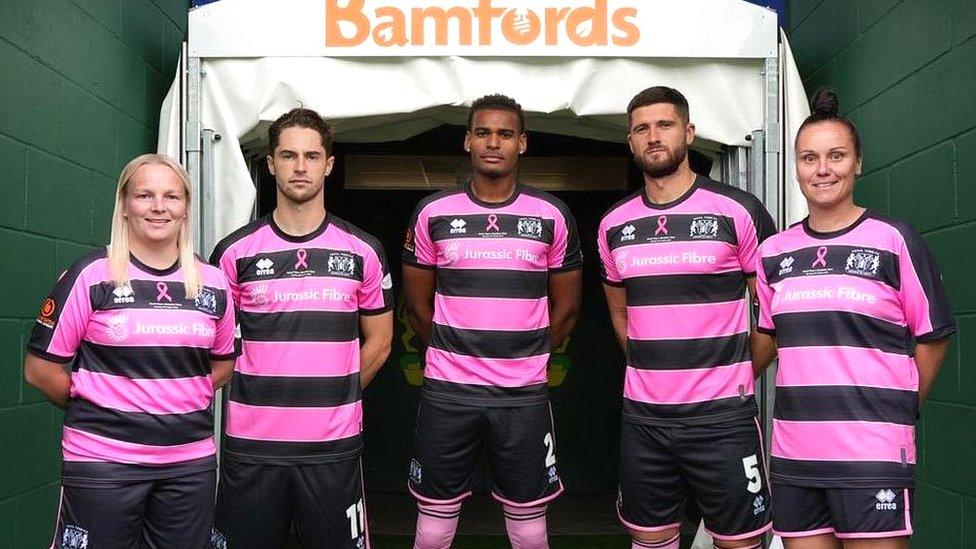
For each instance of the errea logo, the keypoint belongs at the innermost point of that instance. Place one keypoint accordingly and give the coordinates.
(265, 267)
(886, 501)
(123, 294)
(758, 505)
(458, 226)
(786, 266)
(628, 233)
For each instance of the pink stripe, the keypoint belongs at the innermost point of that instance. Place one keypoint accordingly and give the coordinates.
(154, 396)
(421, 498)
(687, 321)
(671, 258)
(803, 534)
(533, 503)
(499, 372)
(803, 366)
(294, 424)
(81, 446)
(493, 253)
(491, 313)
(870, 233)
(842, 440)
(300, 294)
(152, 328)
(57, 520)
(688, 386)
(753, 534)
(299, 358)
(837, 293)
(650, 529)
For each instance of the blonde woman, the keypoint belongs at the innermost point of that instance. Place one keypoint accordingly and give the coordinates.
(148, 330)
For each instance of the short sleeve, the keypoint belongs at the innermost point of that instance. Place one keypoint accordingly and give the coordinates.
(565, 254)
(418, 248)
(376, 292)
(63, 318)
(226, 260)
(753, 231)
(764, 293)
(608, 266)
(225, 345)
(923, 297)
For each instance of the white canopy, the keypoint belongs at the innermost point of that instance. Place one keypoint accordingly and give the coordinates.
(587, 59)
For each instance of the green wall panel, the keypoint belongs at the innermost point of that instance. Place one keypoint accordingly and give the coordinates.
(83, 83)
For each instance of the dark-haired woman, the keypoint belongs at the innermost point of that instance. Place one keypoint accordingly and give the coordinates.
(861, 322)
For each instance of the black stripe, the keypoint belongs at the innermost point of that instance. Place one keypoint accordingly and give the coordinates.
(283, 264)
(484, 395)
(693, 227)
(295, 391)
(492, 283)
(840, 260)
(137, 427)
(95, 474)
(300, 326)
(490, 343)
(842, 474)
(144, 362)
(521, 227)
(697, 413)
(145, 294)
(685, 288)
(681, 354)
(840, 328)
(850, 403)
(278, 452)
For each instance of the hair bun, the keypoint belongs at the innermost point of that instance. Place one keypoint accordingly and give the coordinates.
(824, 102)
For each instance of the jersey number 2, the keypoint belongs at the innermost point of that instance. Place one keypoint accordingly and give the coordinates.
(550, 450)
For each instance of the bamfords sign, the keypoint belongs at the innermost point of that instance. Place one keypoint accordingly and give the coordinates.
(350, 23)
(472, 28)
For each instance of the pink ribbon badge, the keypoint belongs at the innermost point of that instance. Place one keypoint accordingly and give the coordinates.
(492, 223)
(302, 256)
(821, 260)
(662, 225)
(163, 290)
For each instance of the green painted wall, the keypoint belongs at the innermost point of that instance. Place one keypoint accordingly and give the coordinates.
(81, 86)
(905, 72)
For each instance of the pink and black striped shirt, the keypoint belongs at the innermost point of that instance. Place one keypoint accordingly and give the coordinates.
(684, 267)
(141, 396)
(296, 395)
(846, 308)
(490, 337)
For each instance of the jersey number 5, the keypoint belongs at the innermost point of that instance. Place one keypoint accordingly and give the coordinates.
(751, 466)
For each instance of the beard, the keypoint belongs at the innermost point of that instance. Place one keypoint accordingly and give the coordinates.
(664, 167)
(300, 196)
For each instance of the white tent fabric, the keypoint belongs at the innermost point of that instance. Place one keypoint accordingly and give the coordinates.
(378, 99)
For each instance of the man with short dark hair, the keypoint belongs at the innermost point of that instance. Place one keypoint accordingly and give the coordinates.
(677, 257)
(305, 283)
(492, 284)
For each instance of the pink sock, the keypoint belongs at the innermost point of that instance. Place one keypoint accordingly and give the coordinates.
(526, 527)
(671, 543)
(436, 525)
(757, 545)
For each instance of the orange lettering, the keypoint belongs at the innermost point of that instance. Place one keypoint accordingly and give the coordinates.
(631, 31)
(353, 13)
(521, 27)
(392, 32)
(593, 20)
(553, 17)
(441, 20)
(485, 13)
